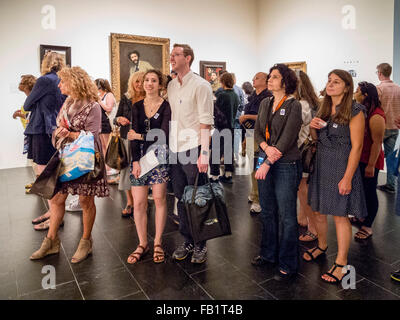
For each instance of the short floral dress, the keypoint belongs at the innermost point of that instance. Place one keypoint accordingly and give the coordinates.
(333, 150)
(87, 119)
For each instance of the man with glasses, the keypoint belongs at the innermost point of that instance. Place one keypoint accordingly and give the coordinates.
(191, 101)
(389, 94)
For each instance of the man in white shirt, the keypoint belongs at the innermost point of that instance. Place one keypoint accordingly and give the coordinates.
(190, 98)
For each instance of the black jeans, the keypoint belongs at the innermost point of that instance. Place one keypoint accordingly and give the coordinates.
(183, 175)
(221, 151)
(371, 196)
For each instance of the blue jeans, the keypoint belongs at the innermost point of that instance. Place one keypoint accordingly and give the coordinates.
(389, 142)
(398, 198)
(278, 200)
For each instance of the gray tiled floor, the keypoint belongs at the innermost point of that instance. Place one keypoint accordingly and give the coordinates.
(227, 274)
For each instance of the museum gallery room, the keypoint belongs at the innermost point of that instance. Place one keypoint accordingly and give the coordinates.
(116, 40)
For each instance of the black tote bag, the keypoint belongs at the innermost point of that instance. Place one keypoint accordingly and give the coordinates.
(210, 221)
(47, 184)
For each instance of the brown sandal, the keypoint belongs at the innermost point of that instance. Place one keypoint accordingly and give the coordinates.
(45, 225)
(40, 219)
(159, 256)
(137, 255)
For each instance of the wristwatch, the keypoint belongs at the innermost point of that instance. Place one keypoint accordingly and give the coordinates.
(267, 161)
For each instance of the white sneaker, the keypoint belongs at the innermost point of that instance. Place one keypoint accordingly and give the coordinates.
(250, 199)
(255, 208)
(73, 205)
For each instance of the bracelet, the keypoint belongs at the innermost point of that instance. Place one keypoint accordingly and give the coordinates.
(267, 162)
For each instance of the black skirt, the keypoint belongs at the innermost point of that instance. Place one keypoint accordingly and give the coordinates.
(105, 122)
(40, 148)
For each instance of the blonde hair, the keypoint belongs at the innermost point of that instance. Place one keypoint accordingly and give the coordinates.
(52, 61)
(27, 82)
(80, 84)
(131, 93)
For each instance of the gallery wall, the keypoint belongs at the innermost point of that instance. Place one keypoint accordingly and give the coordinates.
(220, 30)
(320, 33)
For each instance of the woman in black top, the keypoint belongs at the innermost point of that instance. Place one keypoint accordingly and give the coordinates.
(276, 132)
(150, 130)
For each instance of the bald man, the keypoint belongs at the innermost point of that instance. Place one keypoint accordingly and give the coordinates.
(247, 121)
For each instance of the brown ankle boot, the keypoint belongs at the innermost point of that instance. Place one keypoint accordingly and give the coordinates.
(83, 250)
(48, 247)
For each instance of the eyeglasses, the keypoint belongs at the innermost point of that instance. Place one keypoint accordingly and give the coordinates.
(147, 124)
(173, 55)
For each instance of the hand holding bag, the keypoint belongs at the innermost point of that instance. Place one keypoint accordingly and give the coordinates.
(116, 155)
(209, 221)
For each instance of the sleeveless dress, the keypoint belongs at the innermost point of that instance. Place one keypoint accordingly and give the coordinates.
(80, 121)
(105, 121)
(333, 150)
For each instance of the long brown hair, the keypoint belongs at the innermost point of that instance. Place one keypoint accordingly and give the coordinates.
(343, 116)
(305, 90)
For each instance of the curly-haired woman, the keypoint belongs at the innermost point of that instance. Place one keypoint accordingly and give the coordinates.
(80, 111)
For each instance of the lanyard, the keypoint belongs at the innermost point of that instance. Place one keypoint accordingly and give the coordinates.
(267, 134)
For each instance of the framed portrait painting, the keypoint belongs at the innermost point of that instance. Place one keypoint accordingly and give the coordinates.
(132, 53)
(297, 66)
(208, 68)
(63, 51)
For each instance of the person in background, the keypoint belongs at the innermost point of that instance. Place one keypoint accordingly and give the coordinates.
(80, 111)
(237, 133)
(247, 120)
(227, 103)
(122, 119)
(276, 132)
(389, 95)
(44, 103)
(309, 101)
(372, 158)
(151, 113)
(335, 186)
(248, 91)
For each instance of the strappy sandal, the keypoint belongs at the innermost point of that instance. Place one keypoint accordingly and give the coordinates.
(137, 255)
(310, 253)
(362, 235)
(40, 219)
(45, 225)
(330, 274)
(127, 212)
(159, 256)
(310, 234)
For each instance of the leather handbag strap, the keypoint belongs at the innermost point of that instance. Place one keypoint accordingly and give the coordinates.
(196, 184)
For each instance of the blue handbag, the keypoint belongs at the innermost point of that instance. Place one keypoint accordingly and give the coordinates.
(77, 157)
(392, 163)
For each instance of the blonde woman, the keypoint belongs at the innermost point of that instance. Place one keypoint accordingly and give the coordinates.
(123, 119)
(336, 184)
(43, 103)
(82, 112)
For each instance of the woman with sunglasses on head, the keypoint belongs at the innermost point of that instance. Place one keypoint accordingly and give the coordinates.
(372, 156)
(150, 130)
(336, 185)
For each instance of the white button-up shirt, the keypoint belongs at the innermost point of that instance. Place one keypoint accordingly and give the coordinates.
(191, 105)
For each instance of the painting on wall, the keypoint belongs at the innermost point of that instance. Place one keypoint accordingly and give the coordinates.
(209, 70)
(65, 52)
(132, 53)
(297, 66)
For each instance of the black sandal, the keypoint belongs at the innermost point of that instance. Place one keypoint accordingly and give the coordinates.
(128, 212)
(330, 274)
(312, 251)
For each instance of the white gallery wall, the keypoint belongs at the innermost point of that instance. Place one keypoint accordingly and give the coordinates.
(249, 35)
(324, 34)
(221, 30)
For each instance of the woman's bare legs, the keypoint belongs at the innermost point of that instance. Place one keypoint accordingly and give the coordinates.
(306, 209)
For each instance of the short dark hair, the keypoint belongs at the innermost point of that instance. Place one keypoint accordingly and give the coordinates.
(247, 87)
(371, 100)
(187, 51)
(221, 72)
(227, 80)
(135, 52)
(289, 78)
(385, 69)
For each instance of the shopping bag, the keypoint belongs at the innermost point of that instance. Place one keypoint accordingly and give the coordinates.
(209, 221)
(77, 157)
(116, 154)
(47, 185)
(392, 163)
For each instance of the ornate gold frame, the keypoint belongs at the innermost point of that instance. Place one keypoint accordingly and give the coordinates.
(297, 66)
(117, 38)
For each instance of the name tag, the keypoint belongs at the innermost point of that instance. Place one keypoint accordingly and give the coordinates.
(156, 115)
(283, 111)
(335, 125)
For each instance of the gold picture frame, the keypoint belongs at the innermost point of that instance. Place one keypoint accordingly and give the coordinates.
(151, 52)
(297, 66)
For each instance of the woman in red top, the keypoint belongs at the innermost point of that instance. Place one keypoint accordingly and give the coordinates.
(372, 157)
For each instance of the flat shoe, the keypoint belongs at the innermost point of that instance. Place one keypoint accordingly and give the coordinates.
(362, 235)
(159, 256)
(137, 255)
(45, 225)
(40, 219)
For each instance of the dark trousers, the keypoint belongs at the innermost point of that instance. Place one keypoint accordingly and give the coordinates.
(278, 200)
(183, 175)
(371, 196)
(220, 151)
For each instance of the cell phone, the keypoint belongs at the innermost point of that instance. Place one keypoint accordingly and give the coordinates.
(260, 161)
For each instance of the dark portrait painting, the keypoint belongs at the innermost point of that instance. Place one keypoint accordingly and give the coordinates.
(130, 54)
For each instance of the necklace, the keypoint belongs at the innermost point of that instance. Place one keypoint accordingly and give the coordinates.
(151, 105)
